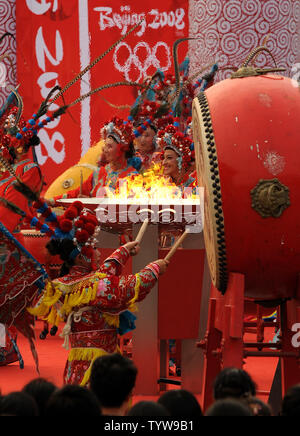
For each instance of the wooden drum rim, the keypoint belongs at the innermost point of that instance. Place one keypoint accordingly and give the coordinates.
(208, 176)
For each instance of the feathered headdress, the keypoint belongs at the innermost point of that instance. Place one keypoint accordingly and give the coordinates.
(168, 95)
(153, 115)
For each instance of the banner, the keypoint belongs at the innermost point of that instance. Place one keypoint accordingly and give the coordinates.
(57, 39)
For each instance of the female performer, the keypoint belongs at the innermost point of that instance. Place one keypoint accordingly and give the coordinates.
(115, 162)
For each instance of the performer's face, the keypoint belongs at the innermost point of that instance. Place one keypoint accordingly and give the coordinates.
(111, 150)
(146, 141)
(170, 163)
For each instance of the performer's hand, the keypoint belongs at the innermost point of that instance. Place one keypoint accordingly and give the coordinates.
(49, 202)
(133, 247)
(163, 264)
(82, 196)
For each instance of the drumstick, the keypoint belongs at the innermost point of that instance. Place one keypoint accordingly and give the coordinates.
(81, 182)
(176, 245)
(142, 230)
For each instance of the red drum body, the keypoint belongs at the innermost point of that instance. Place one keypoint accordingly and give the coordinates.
(35, 243)
(247, 139)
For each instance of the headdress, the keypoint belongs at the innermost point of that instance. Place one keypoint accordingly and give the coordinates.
(16, 135)
(169, 95)
(151, 114)
(76, 229)
(150, 109)
(182, 145)
(120, 130)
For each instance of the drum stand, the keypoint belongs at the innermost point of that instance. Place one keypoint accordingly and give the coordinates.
(224, 344)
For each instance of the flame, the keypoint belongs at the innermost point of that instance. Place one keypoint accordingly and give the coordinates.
(150, 186)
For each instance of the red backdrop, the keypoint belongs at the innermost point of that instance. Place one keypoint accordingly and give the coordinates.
(56, 39)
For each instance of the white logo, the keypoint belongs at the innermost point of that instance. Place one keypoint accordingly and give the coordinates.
(41, 7)
(126, 18)
(3, 75)
(134, 62)
(296, 336)
(295, 71)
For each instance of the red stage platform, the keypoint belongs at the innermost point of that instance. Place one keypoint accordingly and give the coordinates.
(52, 359)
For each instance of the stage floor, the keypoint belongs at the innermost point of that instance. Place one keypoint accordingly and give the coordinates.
(52, 358)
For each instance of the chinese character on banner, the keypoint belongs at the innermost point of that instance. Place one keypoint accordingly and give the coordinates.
(57, 39)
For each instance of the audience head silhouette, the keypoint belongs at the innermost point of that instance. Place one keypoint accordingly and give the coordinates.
(72, 400)
(148, 408)
(112, 380)
(234, 383)
(181, 403)
(228, 407)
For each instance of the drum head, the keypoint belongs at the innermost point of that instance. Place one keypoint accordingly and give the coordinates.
(208, 177)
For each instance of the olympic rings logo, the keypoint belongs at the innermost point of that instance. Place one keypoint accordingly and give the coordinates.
(133, 59)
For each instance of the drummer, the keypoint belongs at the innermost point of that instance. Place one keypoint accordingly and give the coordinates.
(94, 301)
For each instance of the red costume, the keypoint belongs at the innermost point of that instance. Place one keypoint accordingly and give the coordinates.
(189, 180)
(103, 177)
(30, 174)
(92, 305)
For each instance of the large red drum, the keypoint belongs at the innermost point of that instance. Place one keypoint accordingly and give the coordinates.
(35, 243)
(247, 136)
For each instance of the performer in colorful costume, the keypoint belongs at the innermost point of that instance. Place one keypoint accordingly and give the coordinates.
(149, 117)
(91, 300)
(115, 161)
(21, 275)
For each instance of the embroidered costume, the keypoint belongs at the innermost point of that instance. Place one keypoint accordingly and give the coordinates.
(92, 305)
(30, 174)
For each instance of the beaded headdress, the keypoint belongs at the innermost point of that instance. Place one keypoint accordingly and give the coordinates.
(151, 114)
(182, 145)
(77, 224)
(121, 131)
(168, 95)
